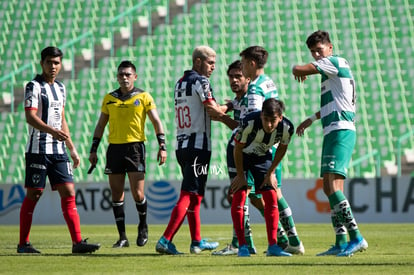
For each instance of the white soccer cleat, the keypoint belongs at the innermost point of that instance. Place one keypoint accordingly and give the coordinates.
(228, 250)
(297, 250)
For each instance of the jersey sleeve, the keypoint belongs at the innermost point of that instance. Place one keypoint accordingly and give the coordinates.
(104, 107)
(326, 66)
(31, 96)
(149, 102)
(62, 88)
(204, 90)
(288, 130)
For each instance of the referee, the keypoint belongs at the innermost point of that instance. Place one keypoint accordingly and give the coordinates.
(126, 109)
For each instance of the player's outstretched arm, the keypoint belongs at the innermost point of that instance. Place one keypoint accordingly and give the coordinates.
(301, 71)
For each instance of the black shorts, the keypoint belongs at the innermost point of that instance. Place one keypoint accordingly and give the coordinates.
(126, 157)
(57, 168)
(257, 166)
(194, 165)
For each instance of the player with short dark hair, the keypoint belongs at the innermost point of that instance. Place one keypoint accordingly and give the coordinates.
(238, 84)
(126, 110)
(46, 156)
(262, 87)
(258, 132)
(337, 114)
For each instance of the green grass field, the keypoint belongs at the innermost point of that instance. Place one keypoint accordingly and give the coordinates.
(391, 250)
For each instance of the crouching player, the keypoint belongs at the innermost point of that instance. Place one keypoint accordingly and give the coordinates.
(257, 133)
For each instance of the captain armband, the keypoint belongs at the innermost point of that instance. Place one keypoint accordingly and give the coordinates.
(95, 144)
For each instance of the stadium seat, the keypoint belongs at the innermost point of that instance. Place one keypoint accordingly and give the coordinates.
(384, 30)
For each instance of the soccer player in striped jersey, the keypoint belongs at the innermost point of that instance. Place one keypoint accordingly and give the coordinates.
(126, 110)
(46, 156)
(337, 113)
(194, 100)
(262, 87)
(258, 132)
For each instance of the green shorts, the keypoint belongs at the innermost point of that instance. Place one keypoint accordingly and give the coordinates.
(337, 151)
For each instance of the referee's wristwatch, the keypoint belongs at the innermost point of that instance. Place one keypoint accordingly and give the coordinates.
(163, 147)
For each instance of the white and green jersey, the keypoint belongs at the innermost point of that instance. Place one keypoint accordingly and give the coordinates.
(239, 111)
(337, 94)
(239, 107)
(259, 90)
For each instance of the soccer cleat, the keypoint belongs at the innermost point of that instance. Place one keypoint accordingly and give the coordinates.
(357, 245)
(84, 247)
(164, 246)
(283, 245)
(250, 244)
(197, 247)
(275, 250)
(228, 250)
(243, 251)
(27, 248)
(252, 250)
(297, 250)
(121, 243)
(142, 238)
(334, 250)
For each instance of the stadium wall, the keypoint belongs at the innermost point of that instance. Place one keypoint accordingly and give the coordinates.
(374, 200)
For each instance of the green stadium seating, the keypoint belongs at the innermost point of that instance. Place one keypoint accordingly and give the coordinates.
(377, 37)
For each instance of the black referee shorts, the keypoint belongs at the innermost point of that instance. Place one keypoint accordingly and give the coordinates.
(126, 157)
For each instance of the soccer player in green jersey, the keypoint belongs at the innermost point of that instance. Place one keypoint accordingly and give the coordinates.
(337, 113)
(262, 87)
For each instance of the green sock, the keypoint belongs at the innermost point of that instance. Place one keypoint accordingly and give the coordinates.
(234, 241)
(343, 211)
(340, 230)
(282, 239)
(286, 220)
(247, 229)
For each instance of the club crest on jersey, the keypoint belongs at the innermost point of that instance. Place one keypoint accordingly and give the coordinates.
(136, 102)
(36, 179)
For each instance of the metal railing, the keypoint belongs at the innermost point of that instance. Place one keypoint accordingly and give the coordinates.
(399, 149)
(11, 77)
(357, 163)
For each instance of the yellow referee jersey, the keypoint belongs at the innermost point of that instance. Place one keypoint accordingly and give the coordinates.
(127, 114)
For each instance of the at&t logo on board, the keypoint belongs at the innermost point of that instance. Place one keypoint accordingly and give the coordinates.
(11, 199)
(162, 197)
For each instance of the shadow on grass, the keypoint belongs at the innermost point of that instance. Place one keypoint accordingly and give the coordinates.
(93, 255)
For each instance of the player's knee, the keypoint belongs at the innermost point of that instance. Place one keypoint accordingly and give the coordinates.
(35, 195)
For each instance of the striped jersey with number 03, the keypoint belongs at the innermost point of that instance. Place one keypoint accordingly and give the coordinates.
(49, 101)
(256, 141)
(337, 94)
(193, 124)
(259, 90)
